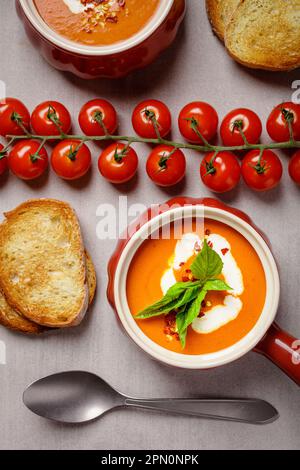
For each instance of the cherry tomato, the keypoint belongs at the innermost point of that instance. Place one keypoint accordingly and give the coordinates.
(95, 111)
(12, 110)
(277, 123)
(144, 114)
(3, 161)
(240, 120)
(71, 159)
(220, 172)
(201, 115)
(166, 165)
(118, 163)
(50, 116)
(294, 167)
(261, 172)
(26, 162)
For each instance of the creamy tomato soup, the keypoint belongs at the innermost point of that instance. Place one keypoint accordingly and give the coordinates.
(96, 22)
(225, 316)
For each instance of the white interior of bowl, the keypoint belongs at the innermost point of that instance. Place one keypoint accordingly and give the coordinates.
(203, 361)
(36, 20)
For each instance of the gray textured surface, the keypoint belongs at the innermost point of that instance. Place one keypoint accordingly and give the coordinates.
(196, 67)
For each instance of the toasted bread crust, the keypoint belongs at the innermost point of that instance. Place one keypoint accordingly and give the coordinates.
(219, 13)
(14, 321)
(265, 34)
(30, 217)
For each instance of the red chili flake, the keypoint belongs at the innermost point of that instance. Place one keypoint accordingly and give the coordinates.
(203, 303)
(210, 244)
(185, 279)
(197, 246)
(201, 315)
(207, 231)
(182, 263)
(188, 270)
(224, 251)
(112, 19)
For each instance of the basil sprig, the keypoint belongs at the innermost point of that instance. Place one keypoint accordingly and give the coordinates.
(185, 298)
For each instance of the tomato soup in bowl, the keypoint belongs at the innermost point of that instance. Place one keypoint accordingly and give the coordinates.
(101, 38)
(94, 22)
(224, 317)
(240, 303)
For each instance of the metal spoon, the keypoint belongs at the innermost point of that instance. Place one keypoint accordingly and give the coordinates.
(78, 397)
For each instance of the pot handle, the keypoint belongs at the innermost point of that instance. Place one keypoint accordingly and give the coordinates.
(283, 350)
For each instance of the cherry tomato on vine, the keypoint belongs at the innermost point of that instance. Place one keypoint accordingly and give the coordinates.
(96, 115)
(13, 111)
(26, 161)
(146, 114)
(277, 123)
(3, 161)
(118, 163)
(237, 122)
(166, 165)
(198, 116)
(261, 171)
(294, 167)
(71, 159)
(220, 172)
(50, 116)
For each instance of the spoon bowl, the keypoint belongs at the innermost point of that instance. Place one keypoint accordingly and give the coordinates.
(71, 397)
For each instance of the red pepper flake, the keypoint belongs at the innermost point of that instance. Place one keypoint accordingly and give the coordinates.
(210, 244)
(182, 264)
(203, 304)
(185, 279)
(201, 315)
(224, 251)
(188, 270)
(197, 247)
(207, 232)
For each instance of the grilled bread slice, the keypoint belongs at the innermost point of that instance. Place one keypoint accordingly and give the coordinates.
(265, 34)
(219, 13)
(42, 263)
(14, 321)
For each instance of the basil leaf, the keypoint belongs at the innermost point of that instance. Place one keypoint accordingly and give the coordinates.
(207, 264)
(181, 287)
(216, 284)
(158, 309)
(180, 320)
(194, 309)
(178, 295)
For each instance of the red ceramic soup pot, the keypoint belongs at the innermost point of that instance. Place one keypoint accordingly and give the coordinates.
(266, 337)
(110, 61)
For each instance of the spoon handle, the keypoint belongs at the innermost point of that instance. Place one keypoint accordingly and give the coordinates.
(243, 410)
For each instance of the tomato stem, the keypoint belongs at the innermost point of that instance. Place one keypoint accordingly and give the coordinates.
(98, 117)
(52, 116)
(205, 148)
(152, 117)
(238, 124)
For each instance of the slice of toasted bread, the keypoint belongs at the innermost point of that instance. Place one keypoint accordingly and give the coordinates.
(265, 34)
(42, 263)
(219, 13)
(14, 321)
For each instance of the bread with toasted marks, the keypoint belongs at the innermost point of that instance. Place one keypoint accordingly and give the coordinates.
(14, 321)
(42, 263)
(265, 34)
(219, 13)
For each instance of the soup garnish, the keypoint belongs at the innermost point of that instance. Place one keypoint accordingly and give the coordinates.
(185, 298)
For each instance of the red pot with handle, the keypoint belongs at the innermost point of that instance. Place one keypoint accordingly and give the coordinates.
(266, 337)
(112, 61)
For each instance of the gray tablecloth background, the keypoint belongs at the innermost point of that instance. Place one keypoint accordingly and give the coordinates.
(196, 67)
